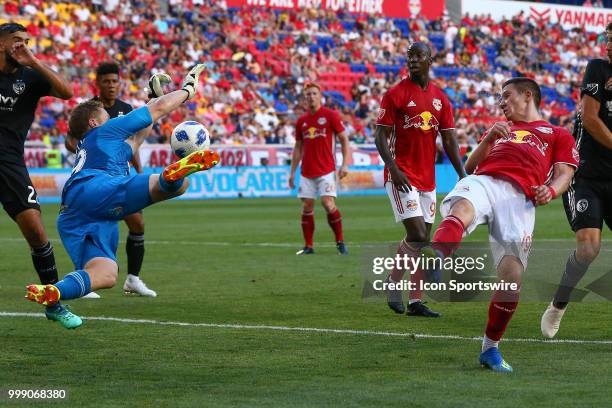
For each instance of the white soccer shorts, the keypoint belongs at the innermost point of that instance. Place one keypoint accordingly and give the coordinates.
(412, 204)
(504, 207)
(324, 186)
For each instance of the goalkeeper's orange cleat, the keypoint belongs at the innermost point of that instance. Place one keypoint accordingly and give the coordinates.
(44, 294)
(196, 161)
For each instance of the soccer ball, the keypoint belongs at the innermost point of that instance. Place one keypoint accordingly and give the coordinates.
(188, 137)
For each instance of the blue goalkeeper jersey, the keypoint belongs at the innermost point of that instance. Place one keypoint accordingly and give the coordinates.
(103, 150)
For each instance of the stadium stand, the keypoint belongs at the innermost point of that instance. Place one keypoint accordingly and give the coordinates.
(257, 61)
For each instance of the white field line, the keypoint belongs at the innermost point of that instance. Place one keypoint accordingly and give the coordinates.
(294, 244)
(311, 330)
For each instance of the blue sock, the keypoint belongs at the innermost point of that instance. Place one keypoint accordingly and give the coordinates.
(170, 186)
(74, 285)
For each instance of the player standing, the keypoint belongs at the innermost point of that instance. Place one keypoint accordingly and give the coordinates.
(100, 192)
(588, 201)
(315, 148)
(108, 83)
(411, 115)
(23, 81)
(517, 165)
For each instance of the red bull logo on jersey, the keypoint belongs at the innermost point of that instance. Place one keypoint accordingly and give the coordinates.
(524, 136)
(425, 121)
(313, 133)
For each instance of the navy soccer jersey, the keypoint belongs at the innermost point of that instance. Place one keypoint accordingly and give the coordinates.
(19, 95)
(104, 150)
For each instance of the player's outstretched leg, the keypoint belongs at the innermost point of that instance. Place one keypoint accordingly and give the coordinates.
(501, 309)
(196, 161)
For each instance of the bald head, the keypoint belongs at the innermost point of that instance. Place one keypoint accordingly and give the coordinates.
(421, 47)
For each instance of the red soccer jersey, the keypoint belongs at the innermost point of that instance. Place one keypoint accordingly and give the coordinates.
(416, 115)
(528, 154)
(316, 131)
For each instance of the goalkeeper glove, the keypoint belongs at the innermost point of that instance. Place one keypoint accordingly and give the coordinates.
(190, 83)
(156, 83)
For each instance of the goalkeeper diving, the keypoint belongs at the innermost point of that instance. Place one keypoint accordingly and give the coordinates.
(100, 191)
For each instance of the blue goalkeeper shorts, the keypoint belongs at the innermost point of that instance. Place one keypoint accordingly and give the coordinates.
(91, 208)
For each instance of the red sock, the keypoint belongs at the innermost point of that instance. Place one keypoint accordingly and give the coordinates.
(334, 219)
(403, 249)
(416, 279)
(308, 226)
(448, 235)
(502, 307)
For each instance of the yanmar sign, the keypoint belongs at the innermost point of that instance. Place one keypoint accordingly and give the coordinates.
(591, 19)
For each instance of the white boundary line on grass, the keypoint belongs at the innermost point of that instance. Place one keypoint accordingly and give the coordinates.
(285, 244)
(312, 330)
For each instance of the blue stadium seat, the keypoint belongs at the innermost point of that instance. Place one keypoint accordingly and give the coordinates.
(358, 68)
(554, 68)
(437, 40)
(262, 45)
(348, 25)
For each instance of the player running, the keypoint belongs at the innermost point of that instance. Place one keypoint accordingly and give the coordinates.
(588, 201)
(411, 115)
(23, 81)
(108, 83)
(518, 165)
(315, 148)
(100, 191)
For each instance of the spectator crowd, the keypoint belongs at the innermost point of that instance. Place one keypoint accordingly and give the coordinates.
(258, 60)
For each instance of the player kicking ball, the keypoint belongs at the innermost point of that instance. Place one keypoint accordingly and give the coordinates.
(101, 192)
(517, 166)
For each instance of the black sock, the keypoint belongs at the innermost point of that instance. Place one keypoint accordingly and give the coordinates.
(574, 271)
(135, 252)
(44, 263)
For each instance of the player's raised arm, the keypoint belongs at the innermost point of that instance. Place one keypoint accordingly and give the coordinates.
(165, 104)
(59, 86)
(381, 137)
(451, 147)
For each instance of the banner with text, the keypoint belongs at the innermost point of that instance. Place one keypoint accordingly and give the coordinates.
(589, 18)
(160, 155)
(430, 9)
(248, 181)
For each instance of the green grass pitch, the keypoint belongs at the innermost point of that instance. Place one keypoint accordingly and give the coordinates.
(233, 262)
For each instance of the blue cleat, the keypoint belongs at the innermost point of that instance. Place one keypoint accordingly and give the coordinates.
(63, 314)
(341, 248)
(305, 251)
(492, 359)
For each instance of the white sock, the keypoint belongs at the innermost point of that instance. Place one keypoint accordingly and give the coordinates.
(487, 343)
(411, 301)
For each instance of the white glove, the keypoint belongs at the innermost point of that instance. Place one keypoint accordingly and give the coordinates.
(190, 83)
(156, 83)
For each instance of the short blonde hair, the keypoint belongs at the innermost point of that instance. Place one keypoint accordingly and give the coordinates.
(78, 124)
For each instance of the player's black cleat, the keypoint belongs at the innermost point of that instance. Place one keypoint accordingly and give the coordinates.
(419, 309)
(394, 299)
(341, 248)
(305, 251)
